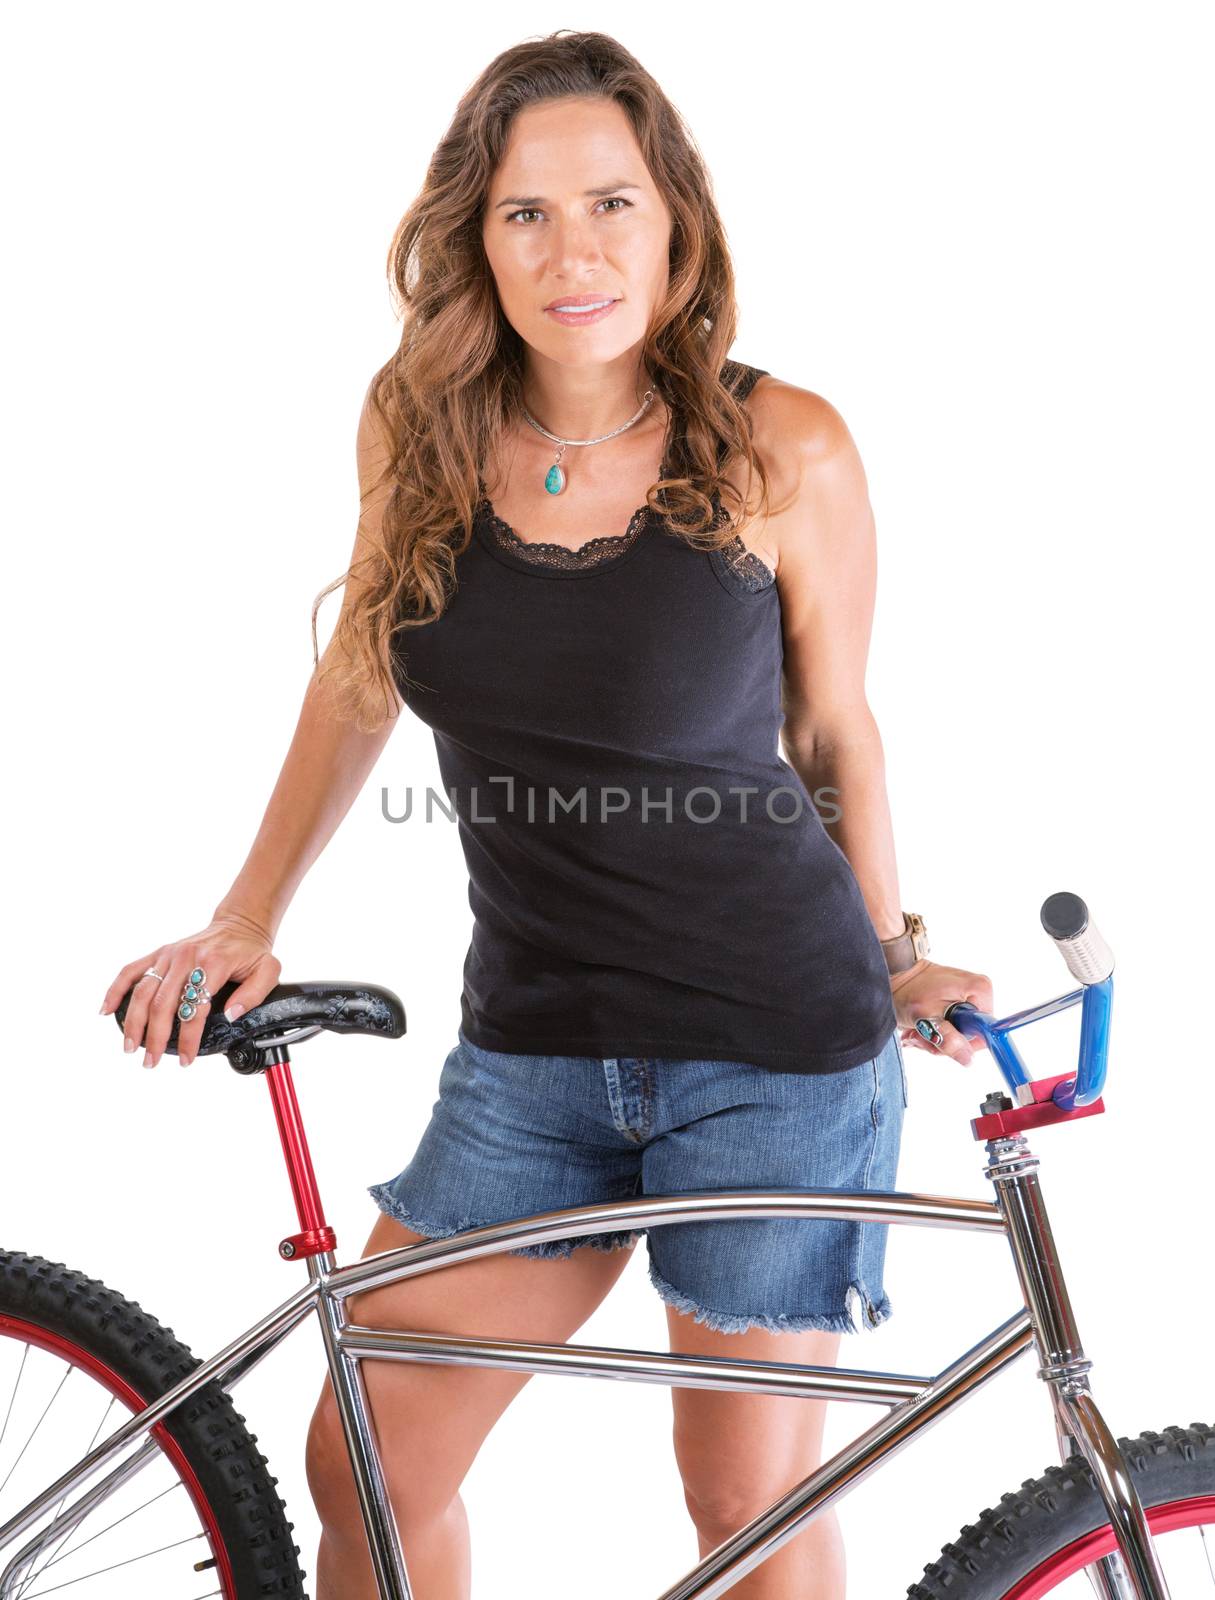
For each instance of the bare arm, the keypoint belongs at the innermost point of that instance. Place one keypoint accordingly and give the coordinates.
(324, 771)
(827, 572)
(828, 575)
(328, 760)
(325, 768)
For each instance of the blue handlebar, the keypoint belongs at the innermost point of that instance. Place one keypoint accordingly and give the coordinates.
(1096, 1000)
(1066, 919)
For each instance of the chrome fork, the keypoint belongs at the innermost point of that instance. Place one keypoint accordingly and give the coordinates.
(1135, 1573)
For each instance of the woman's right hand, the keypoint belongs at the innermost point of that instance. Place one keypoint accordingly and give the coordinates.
(233, 946)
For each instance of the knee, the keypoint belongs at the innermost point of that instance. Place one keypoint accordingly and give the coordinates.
(327, 1466)
(721, 1508)
(418, 1498)
(725, 1492)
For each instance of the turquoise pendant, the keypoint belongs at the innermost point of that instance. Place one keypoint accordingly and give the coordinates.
(554, 480)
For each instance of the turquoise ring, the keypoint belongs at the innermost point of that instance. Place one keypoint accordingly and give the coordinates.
(928, 1031)
(194, 994)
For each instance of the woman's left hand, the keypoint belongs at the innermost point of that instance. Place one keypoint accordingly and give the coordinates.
(924, 990)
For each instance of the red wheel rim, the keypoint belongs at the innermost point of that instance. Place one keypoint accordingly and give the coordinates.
(1090, 1547)
(33, 1333)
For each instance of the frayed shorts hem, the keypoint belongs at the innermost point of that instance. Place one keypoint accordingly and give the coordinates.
(860, 1312)
(546, 1250)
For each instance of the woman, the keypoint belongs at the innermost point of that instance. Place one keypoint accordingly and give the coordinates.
(678, 977)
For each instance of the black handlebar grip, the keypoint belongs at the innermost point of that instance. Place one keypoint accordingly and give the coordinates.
(1065, 917)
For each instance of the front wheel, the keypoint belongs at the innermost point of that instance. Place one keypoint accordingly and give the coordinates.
(200, 1516)
(1040, 1537)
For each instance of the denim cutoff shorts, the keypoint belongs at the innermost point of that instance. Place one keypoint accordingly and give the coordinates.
(514, 1135)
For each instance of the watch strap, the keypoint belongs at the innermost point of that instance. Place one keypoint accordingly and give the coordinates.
(908, 947)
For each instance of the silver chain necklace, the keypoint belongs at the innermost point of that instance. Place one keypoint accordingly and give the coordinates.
(554, 478)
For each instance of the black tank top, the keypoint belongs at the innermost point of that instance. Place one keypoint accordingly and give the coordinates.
(647, 875)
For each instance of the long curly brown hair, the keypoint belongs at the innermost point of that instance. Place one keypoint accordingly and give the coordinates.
(452, 390)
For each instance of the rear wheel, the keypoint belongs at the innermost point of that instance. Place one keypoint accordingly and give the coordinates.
(200, 1518)
(1040, 1537)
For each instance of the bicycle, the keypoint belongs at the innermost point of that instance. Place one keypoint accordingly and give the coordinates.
(1110, 1509)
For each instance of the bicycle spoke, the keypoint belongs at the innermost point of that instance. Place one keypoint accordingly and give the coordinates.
(1174, 1550)
(76, 1539)
(37, 1425)
(12, 1399)
(104, 1535)
(102, 1531)
(55, 1552)
(114, 1566)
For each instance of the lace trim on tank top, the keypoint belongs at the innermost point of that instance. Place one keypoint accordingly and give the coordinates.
(740, 564)
(545, 554)
(743, 566)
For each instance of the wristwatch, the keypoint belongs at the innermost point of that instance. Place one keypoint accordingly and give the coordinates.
(906, 948)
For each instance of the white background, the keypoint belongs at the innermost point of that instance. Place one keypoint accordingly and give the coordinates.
(979, 231)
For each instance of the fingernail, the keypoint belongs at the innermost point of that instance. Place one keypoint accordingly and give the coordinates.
(147, 1059)
(185, 1060)
(103, 1010)
(232, 1012)
(128, 1045)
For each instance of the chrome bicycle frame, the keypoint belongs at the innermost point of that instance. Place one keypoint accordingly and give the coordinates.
(914, 1403)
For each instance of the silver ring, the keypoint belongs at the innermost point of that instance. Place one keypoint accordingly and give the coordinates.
(152, 973)
(933, 1034)
(194, 993)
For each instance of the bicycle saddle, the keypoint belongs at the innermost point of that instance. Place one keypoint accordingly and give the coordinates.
(339, 1007)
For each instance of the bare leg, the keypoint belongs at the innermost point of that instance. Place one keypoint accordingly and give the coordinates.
(437, 1561)
(809, 1567)
(432, 1420)
(738, 1453)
